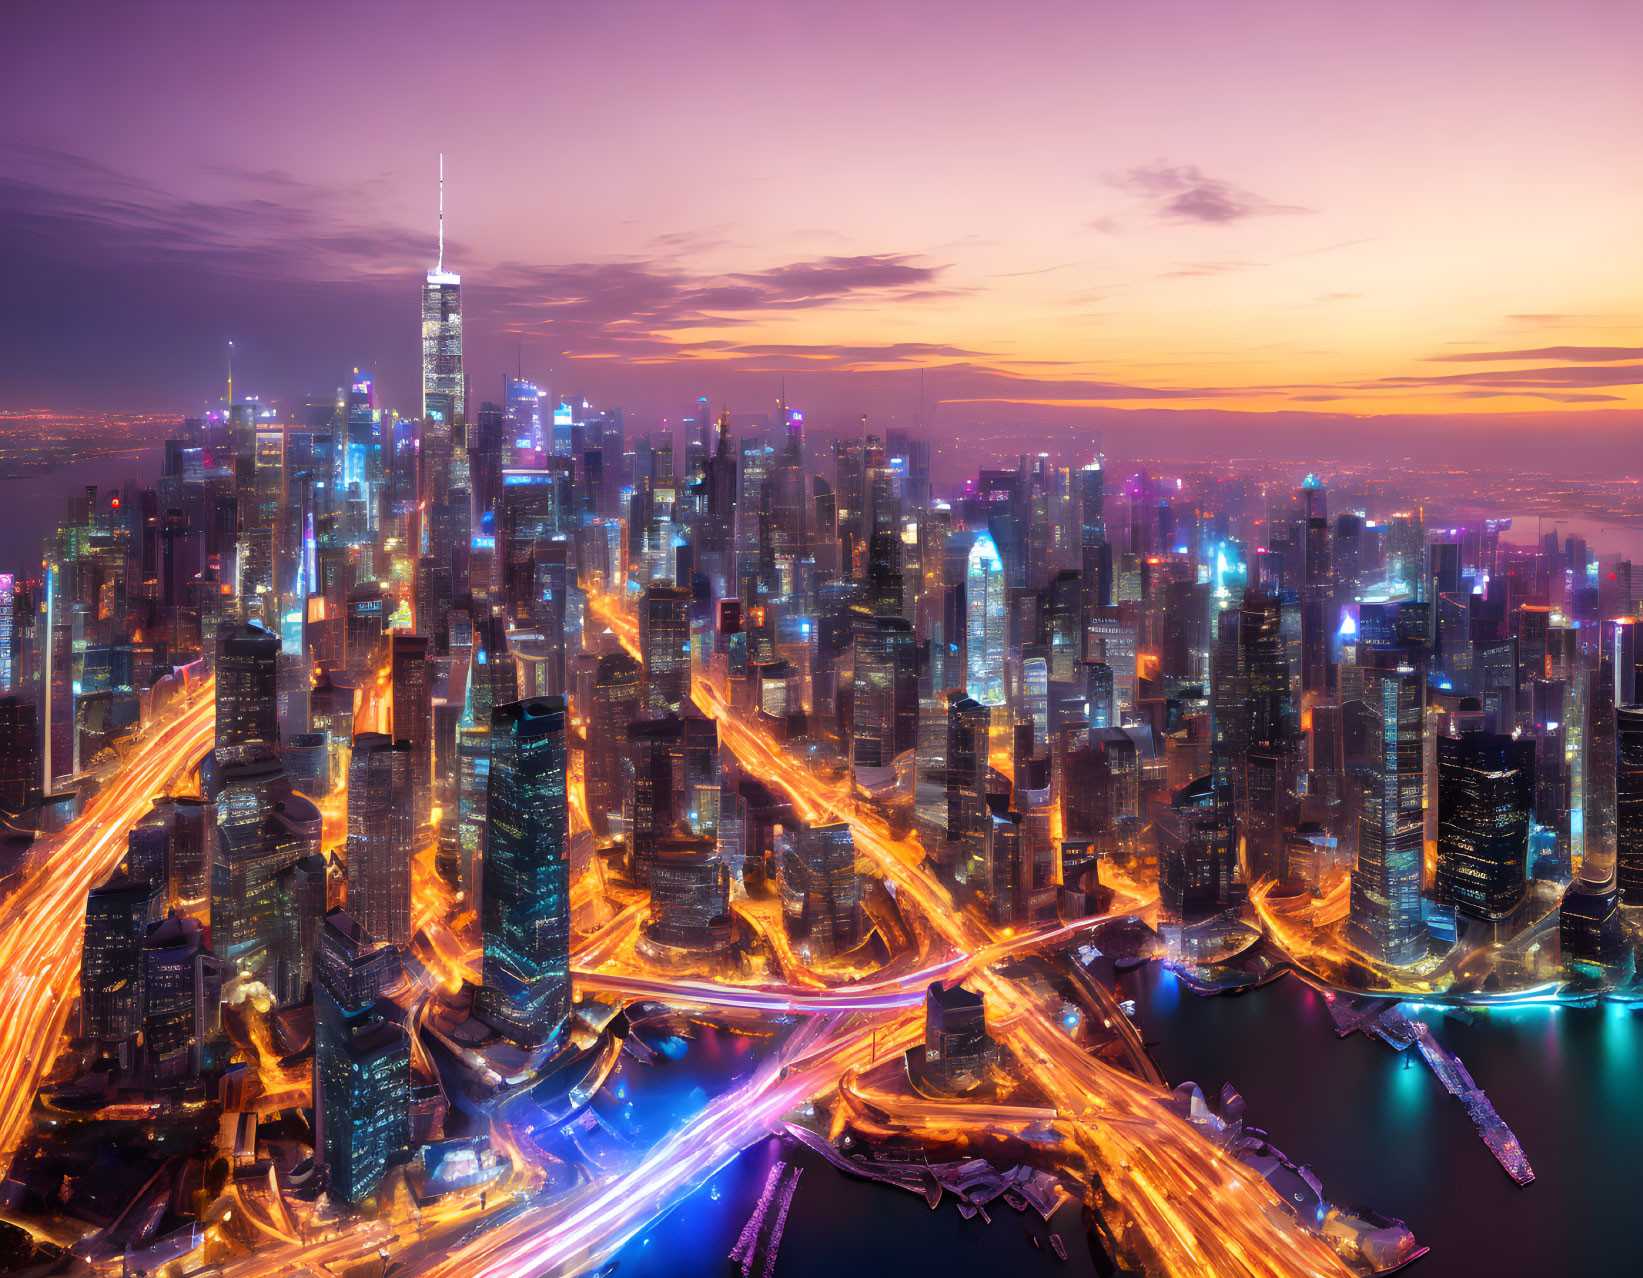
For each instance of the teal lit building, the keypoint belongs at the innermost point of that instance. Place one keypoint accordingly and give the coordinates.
(525, 905)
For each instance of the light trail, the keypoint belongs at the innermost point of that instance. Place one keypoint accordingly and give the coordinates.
(1185, 1206)
(543, 1243)
(747, 998)
(43, 923)
(1184, 1203)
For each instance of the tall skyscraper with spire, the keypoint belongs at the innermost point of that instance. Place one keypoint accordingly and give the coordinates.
(443, 388)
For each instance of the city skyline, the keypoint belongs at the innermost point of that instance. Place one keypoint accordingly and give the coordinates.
(812, 708)
(1084, 212)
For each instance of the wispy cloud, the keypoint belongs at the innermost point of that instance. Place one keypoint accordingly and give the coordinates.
(1574, 354)
(1182, 193)
(117, 270)
(1520, 380)
(639, 308)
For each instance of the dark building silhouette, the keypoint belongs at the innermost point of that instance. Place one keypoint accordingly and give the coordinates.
(117, 919)
(664, 646)
(957, 1049)
(381, 836)
(1628, 797)
(1485, 802)
(1197, 839)
(20, 762)
(247, 684)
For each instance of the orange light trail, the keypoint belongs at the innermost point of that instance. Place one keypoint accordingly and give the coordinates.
(42, 925)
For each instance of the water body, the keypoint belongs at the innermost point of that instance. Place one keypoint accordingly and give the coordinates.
(33, 506)
(1604, 538)
(837, 1224)
(1567, 1080)
(840, 1225)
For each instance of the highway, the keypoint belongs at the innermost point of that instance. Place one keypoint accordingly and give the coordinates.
(1182, 1203)
(546, 1242)
(43, 922)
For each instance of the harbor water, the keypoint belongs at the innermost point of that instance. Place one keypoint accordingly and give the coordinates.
(1386, 1134)
(31, 506)
(1376, 1125)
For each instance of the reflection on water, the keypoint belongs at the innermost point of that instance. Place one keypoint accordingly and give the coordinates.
(837, 1225)
(1567, 1080)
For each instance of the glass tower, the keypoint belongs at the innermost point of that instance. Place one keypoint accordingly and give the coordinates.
(986, 622)
(443, 399)
(1386, 885)
(525, 909)
(443, 389)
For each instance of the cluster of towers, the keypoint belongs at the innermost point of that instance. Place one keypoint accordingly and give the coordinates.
(1210, 681)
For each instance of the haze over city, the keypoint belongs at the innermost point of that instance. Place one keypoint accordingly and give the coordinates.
(1423, 211)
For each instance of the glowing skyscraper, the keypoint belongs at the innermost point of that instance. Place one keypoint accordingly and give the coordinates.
(360, 439)
(1385, 918)
(525, 903)
(443, 391)
(986, 622)
(523, 415)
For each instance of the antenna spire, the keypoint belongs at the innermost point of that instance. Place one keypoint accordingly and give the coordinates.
(441, 266)
(230, 372)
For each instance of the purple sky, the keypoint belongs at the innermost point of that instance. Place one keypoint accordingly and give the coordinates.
(1057, 211)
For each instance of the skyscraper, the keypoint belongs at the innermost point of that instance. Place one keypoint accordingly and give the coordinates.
(190, 839)
(1197, 839)
(523, 414)
(444, 393)
(689, 897)
(354, 459)
(986, 622)
(884, 703)
(116, 921)
(657, 792)
(248, 905)
(1385, 912)
(1485, 799)
(180, 993)
(1101, 799)
(19, 751)
(414, 714)
(381, 832)
(369, 608)
(820, 891)
(968, 724)
(1628, 788)
(362, 1064)
(473, 762)
(615, 705)
(957, 1048)
(247, 712)
(525, 912)
(664, 646)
